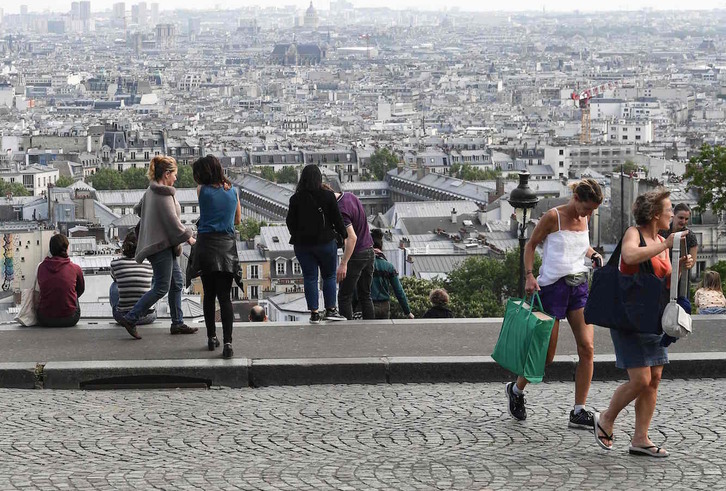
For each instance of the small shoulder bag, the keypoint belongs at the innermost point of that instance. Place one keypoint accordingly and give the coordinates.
(675, 321)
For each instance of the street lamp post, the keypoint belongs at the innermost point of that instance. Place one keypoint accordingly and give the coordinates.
(522, 199)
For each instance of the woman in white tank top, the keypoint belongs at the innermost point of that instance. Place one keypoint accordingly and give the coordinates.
(563, 287)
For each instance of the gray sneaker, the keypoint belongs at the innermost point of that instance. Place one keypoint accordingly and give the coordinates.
(516, 403)
(333, 315)
(582, 421)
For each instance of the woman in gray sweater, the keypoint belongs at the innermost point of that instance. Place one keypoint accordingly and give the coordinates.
(160, 237)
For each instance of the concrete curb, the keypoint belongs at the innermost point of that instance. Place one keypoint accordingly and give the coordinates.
(146, 373)
(312, 371)
(17, 375)
(242, 372)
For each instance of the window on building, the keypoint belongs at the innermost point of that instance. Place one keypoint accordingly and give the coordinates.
(120, 155)
(562, 152)
(253, 272)
(253, 291)
(637, 137)
(146, 155)
(296, 268)
(280, 267)
(133, 155)
(625, 137)
(562, 164)
(194, 209)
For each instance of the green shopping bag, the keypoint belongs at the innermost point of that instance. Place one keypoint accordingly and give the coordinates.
(524, 339)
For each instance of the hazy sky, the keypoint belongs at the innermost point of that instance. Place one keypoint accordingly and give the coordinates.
(560, 5)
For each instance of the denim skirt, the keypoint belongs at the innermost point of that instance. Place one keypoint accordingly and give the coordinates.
(635, 350)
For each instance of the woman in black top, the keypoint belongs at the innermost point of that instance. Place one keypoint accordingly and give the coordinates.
(312, 217)
(439, 299)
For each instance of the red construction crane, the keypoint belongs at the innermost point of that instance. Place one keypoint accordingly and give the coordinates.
(582, 100)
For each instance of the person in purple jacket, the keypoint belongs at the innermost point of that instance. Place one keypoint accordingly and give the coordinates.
(355, 272)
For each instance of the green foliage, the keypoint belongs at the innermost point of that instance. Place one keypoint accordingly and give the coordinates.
(417, 292)
(135, 178)
(629, 167)
(468, 172)
(185, 177)
(249, 228)
(268, 173)
(14, 188)
(480, 286)
(707, 171)
(287, 175)
(107, 179)
(63, 182)
(382, 160)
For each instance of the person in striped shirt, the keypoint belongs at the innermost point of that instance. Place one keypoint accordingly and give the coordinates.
(131, 281)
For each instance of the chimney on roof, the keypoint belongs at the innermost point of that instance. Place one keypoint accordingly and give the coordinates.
(399, 168)
(482, 215)
(499, 186)
(453, 215)
(420, 172)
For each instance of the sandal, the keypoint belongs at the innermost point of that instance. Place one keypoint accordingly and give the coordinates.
(607, 444)
(649, 451)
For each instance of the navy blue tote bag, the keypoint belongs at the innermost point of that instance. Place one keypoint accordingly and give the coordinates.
(630, 303)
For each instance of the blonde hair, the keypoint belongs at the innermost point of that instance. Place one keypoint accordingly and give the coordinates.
(439, 296)
(588, 190)
(648, 205)
(159, 165)
(711, 280)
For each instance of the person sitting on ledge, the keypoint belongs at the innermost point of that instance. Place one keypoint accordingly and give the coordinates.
(257, 314)
(60, 283)
(709, 298)
(439, 299)
(131, 281)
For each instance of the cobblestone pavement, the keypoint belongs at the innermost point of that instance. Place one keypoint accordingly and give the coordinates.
(444, 436)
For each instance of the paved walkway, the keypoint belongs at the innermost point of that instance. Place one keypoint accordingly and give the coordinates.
(444, 436)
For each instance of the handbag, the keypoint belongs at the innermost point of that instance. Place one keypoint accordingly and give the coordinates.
(629, 303)
(27, 313)
(675, 321)
(524, 338)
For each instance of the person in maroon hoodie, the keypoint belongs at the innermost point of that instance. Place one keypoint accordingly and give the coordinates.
(60, 283)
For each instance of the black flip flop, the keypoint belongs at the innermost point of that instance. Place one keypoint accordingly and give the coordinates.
(599, 438)
(649, 451)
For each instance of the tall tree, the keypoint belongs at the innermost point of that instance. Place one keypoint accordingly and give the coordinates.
(14, 188)
(63, 182)
(135, 178)
(107, 179)
(185, 177)
(250, 228)
(382, 160)
(471, 173)
(707, 172)
(268, 173)
(481, 284)
(287, 175)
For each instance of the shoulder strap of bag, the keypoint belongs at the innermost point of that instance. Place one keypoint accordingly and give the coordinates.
(647, 265)
(320, 209)
(675, 261)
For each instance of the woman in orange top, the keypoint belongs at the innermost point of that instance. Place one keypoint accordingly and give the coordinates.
(642, 355)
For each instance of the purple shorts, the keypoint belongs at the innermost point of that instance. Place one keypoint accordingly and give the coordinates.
(560, 298)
